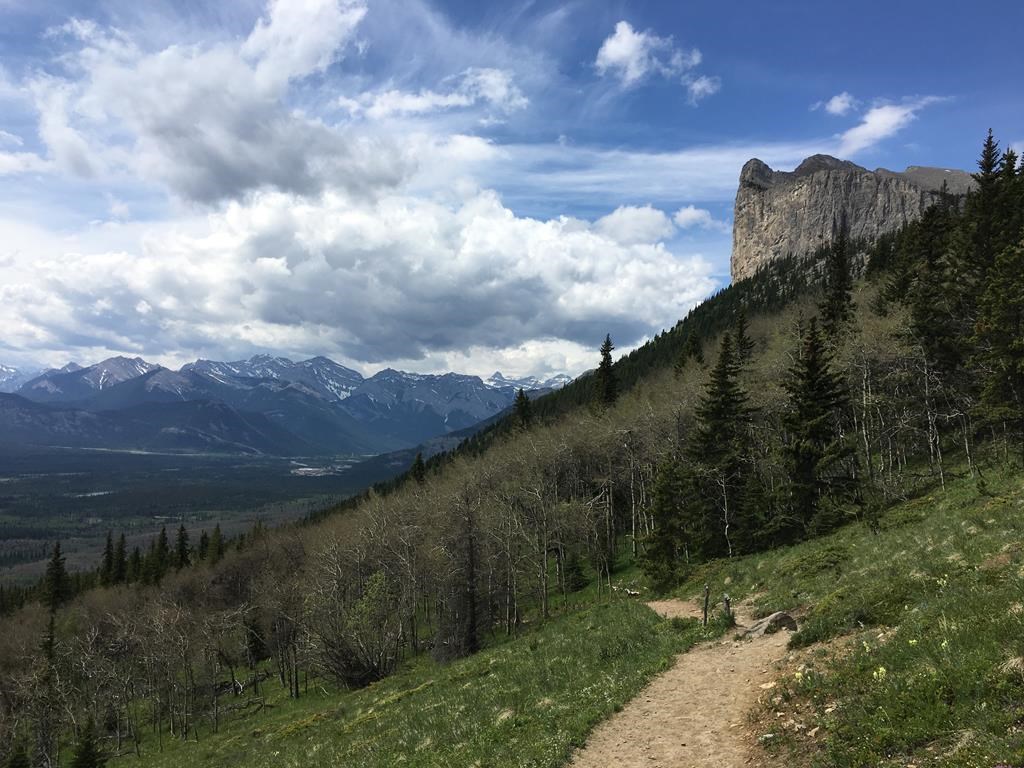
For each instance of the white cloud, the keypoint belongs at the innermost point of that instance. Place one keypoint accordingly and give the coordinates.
(690, 217)
(839, 105)
(701, 87)
(632, 225)
(212, 121)
(21, 162)
(399, 278)
(881, 122)
(10, 140)
(632, 56)
(485, 86)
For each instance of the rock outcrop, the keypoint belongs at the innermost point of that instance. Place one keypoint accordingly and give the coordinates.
(779, 213)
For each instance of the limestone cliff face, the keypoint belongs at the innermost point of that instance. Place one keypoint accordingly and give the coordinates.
(794, 212)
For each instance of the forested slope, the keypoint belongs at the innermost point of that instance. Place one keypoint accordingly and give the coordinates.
(778, 411)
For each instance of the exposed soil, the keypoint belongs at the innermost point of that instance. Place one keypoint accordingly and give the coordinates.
(695, 714)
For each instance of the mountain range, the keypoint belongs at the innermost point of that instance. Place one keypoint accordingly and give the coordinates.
(265, 404)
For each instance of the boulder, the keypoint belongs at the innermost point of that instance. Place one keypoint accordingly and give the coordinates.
(771, 624)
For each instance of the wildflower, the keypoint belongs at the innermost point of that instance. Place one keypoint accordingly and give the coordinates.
(945, 644)
(867, 648)
(912, 642)
(879, 674)
(798, 675)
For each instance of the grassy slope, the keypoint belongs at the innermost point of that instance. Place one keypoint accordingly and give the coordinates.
(931, 671)
(524, 702)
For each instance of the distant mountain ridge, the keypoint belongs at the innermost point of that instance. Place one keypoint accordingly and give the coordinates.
(314, 406)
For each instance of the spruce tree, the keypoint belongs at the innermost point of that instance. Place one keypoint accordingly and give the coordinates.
(87, 750)
(120, 570)
(522, 409)
(837, 304)
(744, 344)
(418, 470)
(204, 545)
(18, 757)
(56, 584)
(667, 550)
(815, 450)
(718, 452)
(135, 567)
(1000, 341)
(107, 565)
(182, 551)
(606, 388)
(216, 544)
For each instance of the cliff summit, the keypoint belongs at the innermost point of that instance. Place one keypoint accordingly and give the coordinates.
(779, 213)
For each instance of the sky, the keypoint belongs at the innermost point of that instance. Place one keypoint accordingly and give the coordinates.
(435, 185)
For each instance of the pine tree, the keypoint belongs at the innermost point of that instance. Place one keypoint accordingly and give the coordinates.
(120, 570)
(815, 449)
(135, 567)
(107, 566)
(522, 409)
(161, 555)
(1000, 340)
(744, 344)
(667, 550)
(182, 551)
(837, 305)
(606, 388)
(87, 751)
(204, 545)
(56, 584)
(18, 757)
(216, 544)
(418, 470)
(717, 454)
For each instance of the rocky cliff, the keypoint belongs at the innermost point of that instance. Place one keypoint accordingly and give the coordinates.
(794, 212)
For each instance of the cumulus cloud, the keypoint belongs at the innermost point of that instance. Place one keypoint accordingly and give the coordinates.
(399, 278)
(880, 122)
(632, 225)
(211, 122)
(490, 87)
(632, 56)
(690, 217)
(841, 104)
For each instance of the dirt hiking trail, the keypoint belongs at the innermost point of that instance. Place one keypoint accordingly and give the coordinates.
(695, 714)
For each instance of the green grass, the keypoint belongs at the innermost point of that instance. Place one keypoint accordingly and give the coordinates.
(932, 672)
(524, 702)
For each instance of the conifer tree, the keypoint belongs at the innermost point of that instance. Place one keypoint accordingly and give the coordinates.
(837, 304)
(418, 470)
(18, 757)
(87, 751)
(744, 344)
(667, 549)
(1000, 340)
(107, 565)
(216, 551)
(182, 551)
(119, 573)
(606, 390)
(204, 545)
(815, 449)
(56, 584)
(522, 409)
(717, 453)
(694, 350)
(135, 567)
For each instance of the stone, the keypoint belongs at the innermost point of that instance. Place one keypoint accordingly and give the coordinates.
(782, 213)
(771, 624)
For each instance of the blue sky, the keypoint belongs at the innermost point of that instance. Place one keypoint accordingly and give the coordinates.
(433, 185)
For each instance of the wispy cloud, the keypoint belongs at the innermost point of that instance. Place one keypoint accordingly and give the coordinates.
(841, 104)
(880, 122)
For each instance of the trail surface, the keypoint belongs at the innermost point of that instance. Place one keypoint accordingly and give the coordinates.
(695, 714)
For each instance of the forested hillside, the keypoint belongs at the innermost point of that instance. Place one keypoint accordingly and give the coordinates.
(809, 397)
